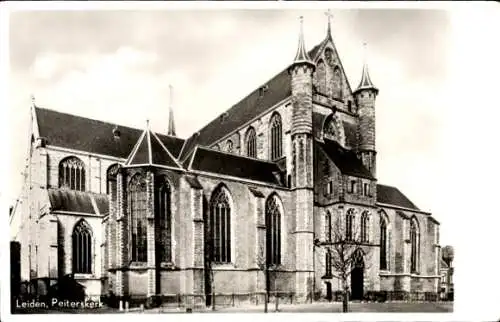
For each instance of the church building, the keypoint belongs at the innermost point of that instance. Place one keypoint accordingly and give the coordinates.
(271, 182)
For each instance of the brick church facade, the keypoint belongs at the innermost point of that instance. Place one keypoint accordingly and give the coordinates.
(141, 215)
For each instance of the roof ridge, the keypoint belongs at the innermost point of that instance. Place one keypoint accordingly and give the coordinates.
(236, 155)
(104, 122)
(166, 150)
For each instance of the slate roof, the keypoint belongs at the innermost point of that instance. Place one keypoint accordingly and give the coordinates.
(84, 134)
(392, 196)
(151, 151)
(78, 201)
(257, 102)
(346, 160)
(207, 160)
(350, 132)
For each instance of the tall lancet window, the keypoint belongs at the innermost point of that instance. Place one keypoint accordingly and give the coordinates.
(72, 174)
(276, 141)
(328, 226)
(111, 181)
(251, 143)
(321, 77)
(414, 242)
(364, 227)
(220, 226)
(273, 230)
(329, 129)
(137, 207)
(82, 248)
(337, 83)
(164, 220)
(349, 225)
(383, 243)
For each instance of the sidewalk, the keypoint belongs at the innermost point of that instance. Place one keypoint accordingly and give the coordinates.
(320, 307)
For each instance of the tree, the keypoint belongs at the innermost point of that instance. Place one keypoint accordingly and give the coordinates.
(344, 245)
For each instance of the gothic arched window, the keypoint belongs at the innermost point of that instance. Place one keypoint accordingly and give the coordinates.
(383, 243)
(414, 242)
(364, 227)
(137, 207)
(321, 77)
(72, 174)
(229, 146)
(337, 83)
(330, 129)
(82, 248)
(276, 144)
(111, 181)
(328, 264)
(164, 220)
(328, 226)
(273, 230)
(349, 225)
(220, 226)
(251, 143)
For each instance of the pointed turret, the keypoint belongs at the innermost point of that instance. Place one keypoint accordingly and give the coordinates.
(365, 95)
(302, 57)
(171, 123)
(150, 151)
(366, 82)
(329, 28)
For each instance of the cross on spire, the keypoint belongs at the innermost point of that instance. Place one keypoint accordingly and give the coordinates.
(32, 99)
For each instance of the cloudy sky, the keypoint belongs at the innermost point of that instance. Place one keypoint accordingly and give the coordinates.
(116, 66)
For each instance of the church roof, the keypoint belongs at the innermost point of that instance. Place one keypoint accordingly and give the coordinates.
(149, 150)
(208, 160)
(257, 102)
(78, 201)
(392, 196)
(346, 160)
(84, 134)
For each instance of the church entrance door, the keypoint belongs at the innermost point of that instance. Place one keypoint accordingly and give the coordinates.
(329, 291)
(357, 277)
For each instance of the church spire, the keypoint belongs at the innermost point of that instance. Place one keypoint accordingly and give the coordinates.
(329, 14)
(366, 82)
(302, 56)
(171, 124)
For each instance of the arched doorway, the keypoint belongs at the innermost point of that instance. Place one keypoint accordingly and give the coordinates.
(357, 277)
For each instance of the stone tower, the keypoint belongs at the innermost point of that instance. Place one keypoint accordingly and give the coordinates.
(365, 96)
(301, 72)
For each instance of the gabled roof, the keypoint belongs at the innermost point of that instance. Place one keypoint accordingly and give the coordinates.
(78, 201)
(346, 160)
(207, 160)
(84, 134)
(150, 150)
(392, 196)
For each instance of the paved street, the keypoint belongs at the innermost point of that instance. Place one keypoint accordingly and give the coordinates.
(322, 307)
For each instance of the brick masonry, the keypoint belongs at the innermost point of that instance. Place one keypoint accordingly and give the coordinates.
(46, 237)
